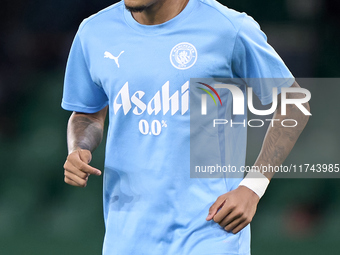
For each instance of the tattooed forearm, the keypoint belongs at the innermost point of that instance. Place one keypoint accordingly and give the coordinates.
(279, 140)
(85, 131)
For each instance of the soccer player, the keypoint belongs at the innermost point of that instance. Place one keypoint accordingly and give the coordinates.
(136, 58)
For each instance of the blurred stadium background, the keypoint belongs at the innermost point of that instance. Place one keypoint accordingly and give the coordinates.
(39, 214)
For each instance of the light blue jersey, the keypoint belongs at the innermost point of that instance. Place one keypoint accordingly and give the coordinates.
(151, 205)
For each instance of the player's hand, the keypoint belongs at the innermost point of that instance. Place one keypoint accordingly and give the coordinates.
(234, 210)
(77, 168)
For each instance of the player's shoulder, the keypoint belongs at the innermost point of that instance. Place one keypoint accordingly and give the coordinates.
(110, 13)
(227, 14)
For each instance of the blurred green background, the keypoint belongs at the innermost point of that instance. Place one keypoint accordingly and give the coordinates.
(39, 214)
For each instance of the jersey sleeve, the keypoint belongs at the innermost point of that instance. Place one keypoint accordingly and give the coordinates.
(258, 63)
(81, 93)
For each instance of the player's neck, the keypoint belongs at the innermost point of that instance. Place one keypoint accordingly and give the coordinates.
(160, 12)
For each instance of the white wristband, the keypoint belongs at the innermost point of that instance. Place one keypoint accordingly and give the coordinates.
(255, 181)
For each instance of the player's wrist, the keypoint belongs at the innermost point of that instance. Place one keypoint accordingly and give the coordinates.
(256, 181)
(78, 150)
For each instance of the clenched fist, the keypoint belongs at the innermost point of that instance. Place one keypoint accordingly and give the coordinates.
(234, 210)
(77, 168)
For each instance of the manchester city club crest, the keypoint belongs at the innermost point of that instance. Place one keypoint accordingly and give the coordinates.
(183, 55)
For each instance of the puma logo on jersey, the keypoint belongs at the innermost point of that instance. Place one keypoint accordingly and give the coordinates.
(110, 56)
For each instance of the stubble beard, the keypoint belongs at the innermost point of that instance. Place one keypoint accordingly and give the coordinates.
(132, 9)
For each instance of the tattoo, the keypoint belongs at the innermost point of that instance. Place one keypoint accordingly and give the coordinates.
(84, 132)
(271, 151)
(280, 140)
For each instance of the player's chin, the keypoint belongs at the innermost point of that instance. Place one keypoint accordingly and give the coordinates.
(134, 6)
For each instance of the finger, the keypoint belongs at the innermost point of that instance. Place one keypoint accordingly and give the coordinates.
(215, 207)
(71, 168)
(85, 155)
(79, 181)
(241, 226)
(76, 161)
(229, 219)
(234, 224)
(70, 182)
(224, 212)
(90, 170)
